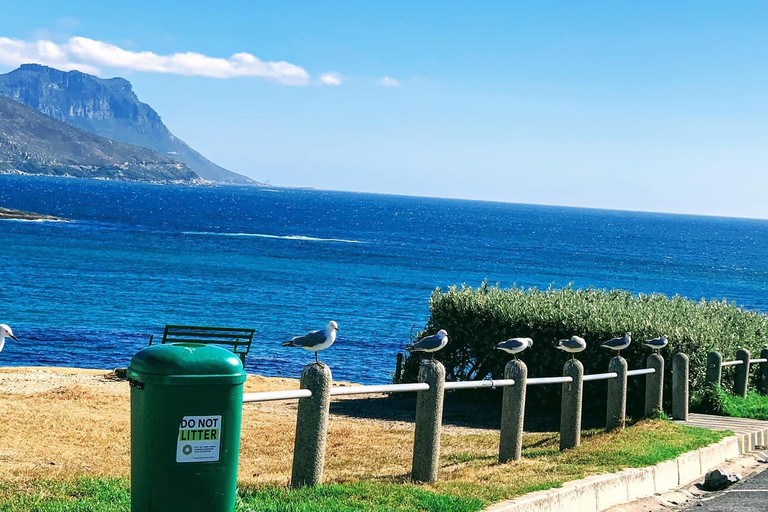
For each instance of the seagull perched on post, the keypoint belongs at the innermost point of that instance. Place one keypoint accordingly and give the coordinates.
(430, 344)
(656, 343)
(5, 332)
(317, 340)
(573, 346)
(618, 344)
(515, 345)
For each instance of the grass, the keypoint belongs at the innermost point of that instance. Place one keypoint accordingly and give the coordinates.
(716, 401)
(470, 477)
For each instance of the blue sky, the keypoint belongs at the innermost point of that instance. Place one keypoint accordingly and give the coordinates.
(653, 105)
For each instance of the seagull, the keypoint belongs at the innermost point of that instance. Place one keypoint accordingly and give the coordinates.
(430, 344)
(618, 344)
(656, 343)
(317, 340)
(515, 345)
(573, 345)
(5, 332)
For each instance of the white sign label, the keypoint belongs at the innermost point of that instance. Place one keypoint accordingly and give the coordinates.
(199, 439)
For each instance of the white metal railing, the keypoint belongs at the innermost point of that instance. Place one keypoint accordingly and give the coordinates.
(548, 380)
(600, 376)
(480, 384)
(763, 360)
(732, 363)
(268, 396)
(385, 388)
(641, 371)
(294, 394)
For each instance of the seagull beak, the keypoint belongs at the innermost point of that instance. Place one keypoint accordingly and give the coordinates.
(14, 338)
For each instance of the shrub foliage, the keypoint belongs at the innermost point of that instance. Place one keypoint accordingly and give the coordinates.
(478, 318)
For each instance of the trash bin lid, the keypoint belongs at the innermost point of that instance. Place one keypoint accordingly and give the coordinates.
(188, 364)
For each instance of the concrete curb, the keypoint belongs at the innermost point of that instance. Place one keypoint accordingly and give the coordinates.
(601, 492)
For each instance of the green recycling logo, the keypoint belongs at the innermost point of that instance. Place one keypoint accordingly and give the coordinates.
(186, 449)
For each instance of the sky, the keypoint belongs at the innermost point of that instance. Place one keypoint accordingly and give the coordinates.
(652, 105)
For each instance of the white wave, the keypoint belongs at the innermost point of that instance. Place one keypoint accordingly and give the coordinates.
(277, 237)
(39, 221)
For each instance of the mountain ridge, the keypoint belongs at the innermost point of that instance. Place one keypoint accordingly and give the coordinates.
(107, 107)
(34, 143)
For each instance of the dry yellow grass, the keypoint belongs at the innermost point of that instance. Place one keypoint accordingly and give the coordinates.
(61, 423)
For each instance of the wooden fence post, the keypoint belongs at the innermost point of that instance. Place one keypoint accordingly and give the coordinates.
(570, 409)
(714, 368)
(398, 369)
(312, 426)
(617, 394)
(680, 386)
(654, 385)
(741, 381)
(513, 412)
(429, 417)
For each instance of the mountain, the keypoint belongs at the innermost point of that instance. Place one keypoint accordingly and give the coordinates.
(34, 143)
(106, 107)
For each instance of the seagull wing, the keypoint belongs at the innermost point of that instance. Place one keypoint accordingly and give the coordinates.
(428, 343)
(309, 340)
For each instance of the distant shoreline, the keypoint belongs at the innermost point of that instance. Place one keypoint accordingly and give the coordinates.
(9, 214)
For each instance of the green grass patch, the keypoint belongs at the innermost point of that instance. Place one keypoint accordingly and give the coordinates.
(470, 479)
(716, 401)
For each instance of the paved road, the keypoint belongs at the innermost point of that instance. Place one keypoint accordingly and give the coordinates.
(747, 496)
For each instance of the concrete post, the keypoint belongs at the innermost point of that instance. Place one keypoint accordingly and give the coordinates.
(311, 426)
(617, 394)
(654, 385)
(398, 369)
(513, 412)
(764, 371)
(714, 368)
(741, 381)
(570, 409)
(429, 417)
(680, 387)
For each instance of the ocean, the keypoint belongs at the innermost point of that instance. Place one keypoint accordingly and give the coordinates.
(88, 293)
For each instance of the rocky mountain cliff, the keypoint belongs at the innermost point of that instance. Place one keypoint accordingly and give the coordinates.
(106, 107)
(34, 143)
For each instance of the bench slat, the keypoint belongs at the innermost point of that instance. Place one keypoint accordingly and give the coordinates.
(176, 334)
(204, 328)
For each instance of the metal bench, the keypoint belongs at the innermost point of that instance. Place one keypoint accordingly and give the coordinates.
(239, 340)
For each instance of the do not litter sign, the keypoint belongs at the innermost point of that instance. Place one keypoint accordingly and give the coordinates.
(199, 439)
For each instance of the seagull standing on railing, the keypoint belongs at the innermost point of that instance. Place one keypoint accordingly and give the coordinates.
(430, 344)
(317, 340)
(618, 344)
(573, 346)
(515, 345)
(5, 332)
(656, 343)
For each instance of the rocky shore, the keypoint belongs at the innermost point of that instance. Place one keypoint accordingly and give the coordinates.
(8, 214)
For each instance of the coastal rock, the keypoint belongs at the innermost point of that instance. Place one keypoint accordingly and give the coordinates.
(8, 214)
(718, 479)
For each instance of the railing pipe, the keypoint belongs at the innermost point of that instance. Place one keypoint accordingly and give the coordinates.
(549, 380)
(268, 396)
(385, 388)
(641, 371)
(600, 376)
(731, 363)
(761, 360)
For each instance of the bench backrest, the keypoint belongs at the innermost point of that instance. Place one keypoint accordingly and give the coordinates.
(239, 340)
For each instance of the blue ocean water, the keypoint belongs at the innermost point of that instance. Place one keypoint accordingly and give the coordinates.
(88, 293)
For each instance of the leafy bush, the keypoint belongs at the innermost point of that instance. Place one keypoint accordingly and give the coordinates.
(478, 318)
(717, 401)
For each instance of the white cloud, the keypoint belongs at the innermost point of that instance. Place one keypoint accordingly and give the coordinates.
(89, 55)
(388, 81)
(330, 78)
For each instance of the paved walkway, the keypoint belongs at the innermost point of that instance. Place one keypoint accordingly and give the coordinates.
(750, 495)
(753, 434)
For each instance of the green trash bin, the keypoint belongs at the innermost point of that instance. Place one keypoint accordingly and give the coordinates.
(186, 409)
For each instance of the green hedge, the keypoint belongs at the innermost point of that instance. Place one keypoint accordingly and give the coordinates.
(478, 318)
